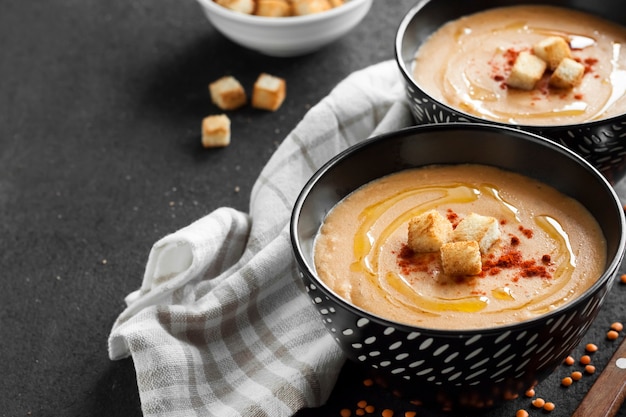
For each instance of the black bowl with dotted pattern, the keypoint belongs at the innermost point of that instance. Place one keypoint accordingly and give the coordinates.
(457, 368)
(601, 142)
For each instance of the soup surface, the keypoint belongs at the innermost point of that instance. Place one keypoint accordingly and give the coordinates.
(466, 62)
(550, 249)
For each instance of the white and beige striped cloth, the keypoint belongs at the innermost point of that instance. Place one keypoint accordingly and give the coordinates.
(221, 325)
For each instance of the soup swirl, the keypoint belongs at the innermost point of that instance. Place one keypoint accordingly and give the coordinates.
(550, 249)
(466, 62)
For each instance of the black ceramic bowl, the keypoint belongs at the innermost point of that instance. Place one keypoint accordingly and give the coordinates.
(600, 142)
(457, 368)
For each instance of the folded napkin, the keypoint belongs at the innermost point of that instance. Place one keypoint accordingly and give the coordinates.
(221, 325)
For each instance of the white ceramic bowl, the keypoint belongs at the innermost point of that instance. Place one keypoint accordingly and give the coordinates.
(286, 36)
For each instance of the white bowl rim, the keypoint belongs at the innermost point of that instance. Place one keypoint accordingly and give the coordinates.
(287, 21)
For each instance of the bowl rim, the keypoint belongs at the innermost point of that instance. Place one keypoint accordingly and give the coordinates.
(609, 274)
(286, 21)
(406, 73)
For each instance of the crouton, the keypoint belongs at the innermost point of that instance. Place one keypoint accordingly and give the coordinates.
(215, 131)
(428, 231)
(227, 93)
(268, 92)
(483, 229)
(526, 71)
(273, 8)
(304, 7)
(242, 6)
(461, 258)
(568, 74)
(553, 50)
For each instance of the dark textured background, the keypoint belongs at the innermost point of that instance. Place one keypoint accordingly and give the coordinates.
(100, 156)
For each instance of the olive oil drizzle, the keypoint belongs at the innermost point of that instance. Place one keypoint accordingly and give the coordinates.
(368, 246)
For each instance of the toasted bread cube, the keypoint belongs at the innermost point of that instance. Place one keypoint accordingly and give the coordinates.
(304, 7)
(336, 3)
(568, 74)
(227, 93)
(552, 50)
(273, 8)
(461, 258)
(527, 70)
(241, 6)
(428, 231)
(268, 92)
(483, 229)
(215, 131)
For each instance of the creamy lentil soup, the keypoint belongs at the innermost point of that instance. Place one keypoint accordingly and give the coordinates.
(550, 249)
(466, 62)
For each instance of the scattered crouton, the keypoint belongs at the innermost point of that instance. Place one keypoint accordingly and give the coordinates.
(268, 92)
(241, 6)
(428, 231)
(216, 131)
(526, 71)
(552, 50)
(568, 74)
(461, 258)
(483, 229)
(273, 8)
(227, 93)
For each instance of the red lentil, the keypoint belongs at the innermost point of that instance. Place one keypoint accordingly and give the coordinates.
(612, 335)
(360, 412)
(369, 409)
(577, 375)
(345, 412)
(538, 402)
(569, 360)
(521, 413)
(585, 359)
(368, 382)
(590, 369)
(387, 413)
(549, 406)
(617, 326)
(361, 404)
(590, 347)
(567, 381)
(410, 414)
(530, 393)
(510, 395)
(623, 278)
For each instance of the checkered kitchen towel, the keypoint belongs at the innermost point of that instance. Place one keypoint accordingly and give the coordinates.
(221, 325)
